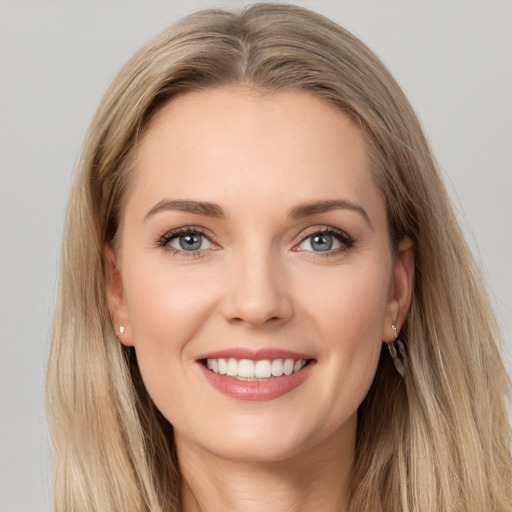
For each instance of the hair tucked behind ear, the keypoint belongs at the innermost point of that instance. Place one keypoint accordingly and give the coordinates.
(438, 440)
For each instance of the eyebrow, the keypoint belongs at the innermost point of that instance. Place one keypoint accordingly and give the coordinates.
(298, 212)
(185, 205)
(308, 209)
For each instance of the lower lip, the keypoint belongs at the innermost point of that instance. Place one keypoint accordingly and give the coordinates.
(257, 390)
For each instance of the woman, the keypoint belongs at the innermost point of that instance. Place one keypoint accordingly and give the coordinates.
(256, 210)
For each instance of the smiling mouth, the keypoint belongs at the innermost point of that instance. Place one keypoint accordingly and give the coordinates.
(256, 371)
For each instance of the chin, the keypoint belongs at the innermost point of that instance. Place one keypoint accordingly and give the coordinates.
(259, 449)
(272, 438)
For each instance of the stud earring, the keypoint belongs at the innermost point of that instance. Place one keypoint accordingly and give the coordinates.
(121, 329)
(397, 351)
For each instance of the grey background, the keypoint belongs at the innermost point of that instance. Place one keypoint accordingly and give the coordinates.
(453, 58)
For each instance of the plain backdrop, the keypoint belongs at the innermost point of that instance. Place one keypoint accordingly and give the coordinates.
(453, 59)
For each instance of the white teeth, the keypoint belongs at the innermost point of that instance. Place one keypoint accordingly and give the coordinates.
(232, 367)
(246, 369)
(288, 366)
(277, 367)
(223, 366)
(297, 366)
(263, 369)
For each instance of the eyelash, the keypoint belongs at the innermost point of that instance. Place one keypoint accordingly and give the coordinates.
(346, 240)
(171, 235)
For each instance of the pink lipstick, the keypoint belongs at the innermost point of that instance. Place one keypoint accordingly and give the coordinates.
(264, 374)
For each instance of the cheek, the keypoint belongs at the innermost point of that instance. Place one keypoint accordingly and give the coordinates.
(165, 304)
(167, 309)
(350, 320)
(350, 304)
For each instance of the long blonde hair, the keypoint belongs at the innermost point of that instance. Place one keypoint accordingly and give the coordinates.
(437, 440)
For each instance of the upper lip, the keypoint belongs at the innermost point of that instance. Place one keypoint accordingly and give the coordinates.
(254, 354)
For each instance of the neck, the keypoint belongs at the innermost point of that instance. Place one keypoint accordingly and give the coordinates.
(316, 479)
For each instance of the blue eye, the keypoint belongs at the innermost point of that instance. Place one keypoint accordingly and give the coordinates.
(326, 241)
(321, 242)
(189, 242)
(186, 241)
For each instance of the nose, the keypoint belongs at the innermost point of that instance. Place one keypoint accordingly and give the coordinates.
(257, 292)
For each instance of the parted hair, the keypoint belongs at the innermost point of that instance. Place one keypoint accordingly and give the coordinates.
(436, 440)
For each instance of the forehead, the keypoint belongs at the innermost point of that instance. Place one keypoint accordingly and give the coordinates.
(240, 145)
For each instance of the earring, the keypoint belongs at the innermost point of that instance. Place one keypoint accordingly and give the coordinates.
(121, 329)
(397, 351)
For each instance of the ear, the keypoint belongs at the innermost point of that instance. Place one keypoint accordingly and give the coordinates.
(401, 289)
(116, 299)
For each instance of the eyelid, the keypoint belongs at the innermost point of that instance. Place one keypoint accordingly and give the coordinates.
(172, 234)
(323, 229)
(342, 236)
(177, 240)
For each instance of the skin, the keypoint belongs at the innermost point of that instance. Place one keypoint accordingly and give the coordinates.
(257, 282)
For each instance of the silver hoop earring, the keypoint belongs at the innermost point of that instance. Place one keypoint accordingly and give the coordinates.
(121, 329)
(397, 351)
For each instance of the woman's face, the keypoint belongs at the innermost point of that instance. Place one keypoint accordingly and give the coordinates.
(256, 280)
